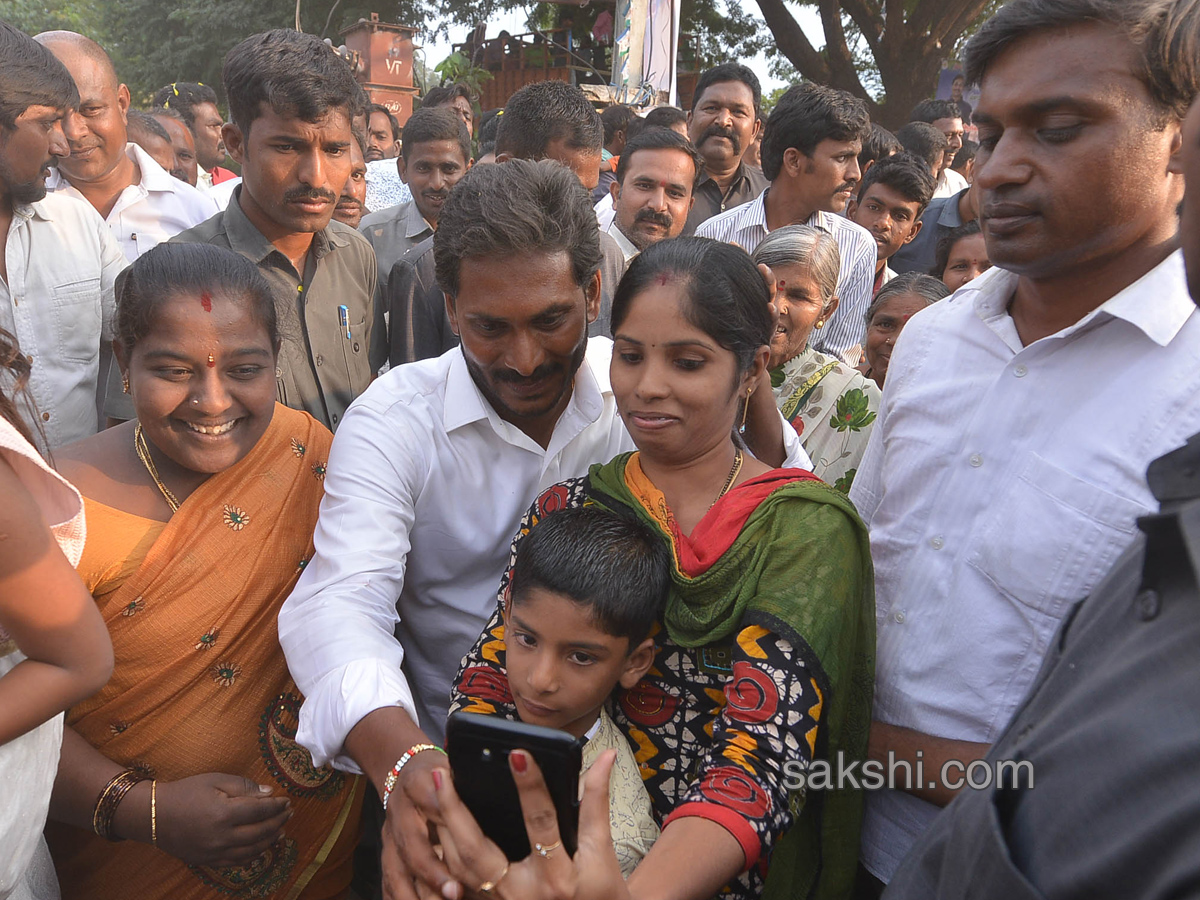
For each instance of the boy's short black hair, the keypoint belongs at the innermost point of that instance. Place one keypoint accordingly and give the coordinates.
(879, 144)
(435, 124)
(612, 564)
(660, 139)
(932, 110)
(907, 175)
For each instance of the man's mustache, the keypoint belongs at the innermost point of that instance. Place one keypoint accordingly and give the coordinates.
(510, 377)
(718, 131)
(654, 217)
(296, 194)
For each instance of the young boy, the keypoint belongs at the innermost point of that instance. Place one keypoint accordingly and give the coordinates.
(587, 587)
(891, 198)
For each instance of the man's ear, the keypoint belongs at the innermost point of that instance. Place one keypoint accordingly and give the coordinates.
(851, 207)
(452, 314)
(504, 156)
(1175, 162)
(235, 145)
(123, 102)
(637, 663)
(591, 292)
(916, 229)
(402, 169)
(615, 190)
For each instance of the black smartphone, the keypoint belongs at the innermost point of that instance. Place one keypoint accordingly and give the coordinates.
(478, 747)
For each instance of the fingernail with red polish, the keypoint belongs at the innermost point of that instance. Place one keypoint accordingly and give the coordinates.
(437, 779)
(519, 762)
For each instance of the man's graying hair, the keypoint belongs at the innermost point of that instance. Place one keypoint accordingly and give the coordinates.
(514, 208)
(1165, 34)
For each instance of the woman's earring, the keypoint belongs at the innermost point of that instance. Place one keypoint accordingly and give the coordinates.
(745, 412)
(125, 382)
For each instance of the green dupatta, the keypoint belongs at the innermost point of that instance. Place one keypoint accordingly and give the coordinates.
(801, 567)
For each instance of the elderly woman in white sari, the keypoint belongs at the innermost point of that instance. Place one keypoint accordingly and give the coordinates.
(831, 406)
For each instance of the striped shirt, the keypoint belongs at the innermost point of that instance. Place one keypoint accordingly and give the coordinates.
(746, 226)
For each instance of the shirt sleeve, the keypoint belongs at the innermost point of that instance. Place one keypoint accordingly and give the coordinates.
(337, 628)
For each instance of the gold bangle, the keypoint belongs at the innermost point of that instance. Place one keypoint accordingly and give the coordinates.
(110, 798)
(153, 812)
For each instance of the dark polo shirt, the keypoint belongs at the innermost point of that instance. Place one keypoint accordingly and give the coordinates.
(1112, 730)
(747, 184)
(320, 370)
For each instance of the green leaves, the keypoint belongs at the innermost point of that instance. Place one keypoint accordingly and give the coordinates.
(852, 413)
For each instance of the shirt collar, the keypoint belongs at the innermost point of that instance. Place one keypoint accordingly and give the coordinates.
(414, 223)
(949, 216)
(465, 403)
(246, 239)
(1157, 304)
(753, 215)
(738, 176)
(626, 245)
(154, 176)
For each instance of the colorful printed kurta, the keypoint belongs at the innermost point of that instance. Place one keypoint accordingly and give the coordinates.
(774, 667)
(832, 407)
(200, 683)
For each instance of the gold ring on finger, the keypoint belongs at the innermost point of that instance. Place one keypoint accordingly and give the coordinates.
(544, 850)
(488, 886)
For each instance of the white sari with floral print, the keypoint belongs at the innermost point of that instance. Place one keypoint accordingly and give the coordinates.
(832, 407)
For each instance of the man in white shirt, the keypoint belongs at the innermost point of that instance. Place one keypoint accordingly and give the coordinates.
(652, 194)
(432, 470)
(59, 260)
(140, 201)
(1006, 467)
(810, 154)
(945, 116)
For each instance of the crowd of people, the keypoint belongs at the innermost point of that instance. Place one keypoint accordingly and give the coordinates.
(737, 445)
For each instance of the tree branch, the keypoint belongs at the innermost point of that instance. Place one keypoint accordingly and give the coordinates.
(868, 18)
(953, 29)
(792, 41)
(837, 52)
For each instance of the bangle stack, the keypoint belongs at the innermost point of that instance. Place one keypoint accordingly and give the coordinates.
(389, 783)
(108, 801)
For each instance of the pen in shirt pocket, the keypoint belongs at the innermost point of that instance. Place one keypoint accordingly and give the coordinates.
(344, 319)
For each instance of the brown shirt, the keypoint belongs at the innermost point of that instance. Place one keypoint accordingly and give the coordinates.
(747, 184)
(320, 370)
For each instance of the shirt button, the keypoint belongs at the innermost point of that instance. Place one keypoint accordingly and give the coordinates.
(320, 359)
(29, 359)
(45, 417)
(1020, 371)
(278, 372)
(1148, 604)
(899, 616)
(976, 460)
(936, 542)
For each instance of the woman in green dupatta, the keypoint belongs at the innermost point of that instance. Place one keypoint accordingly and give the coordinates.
(765, 654)
(830, 404)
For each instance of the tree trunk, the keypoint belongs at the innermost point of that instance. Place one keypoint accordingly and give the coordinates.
(909, 42)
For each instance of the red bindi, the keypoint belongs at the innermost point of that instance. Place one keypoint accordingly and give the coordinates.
(783, 284)
(206, 303)
(211, 362)
(662, 278)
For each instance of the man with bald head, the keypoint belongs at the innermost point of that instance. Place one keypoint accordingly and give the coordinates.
(140, 201)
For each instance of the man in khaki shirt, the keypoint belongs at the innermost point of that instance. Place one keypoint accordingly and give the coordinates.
(294, 150)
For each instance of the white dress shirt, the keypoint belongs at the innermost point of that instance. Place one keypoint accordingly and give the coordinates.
(425, 488)
(746, 226)
(57, 300)
(1000, 483)
(949, 183)
(158, 207)
(627, 246)
(606, 212)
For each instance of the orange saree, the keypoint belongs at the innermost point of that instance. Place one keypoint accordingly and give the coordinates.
(200, 683)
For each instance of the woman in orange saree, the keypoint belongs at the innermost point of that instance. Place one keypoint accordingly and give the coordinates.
(203, 513)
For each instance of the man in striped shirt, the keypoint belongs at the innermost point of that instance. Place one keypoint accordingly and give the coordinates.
(810, 154)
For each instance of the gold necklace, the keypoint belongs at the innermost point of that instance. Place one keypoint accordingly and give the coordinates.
(143, 452)
(733, 474)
